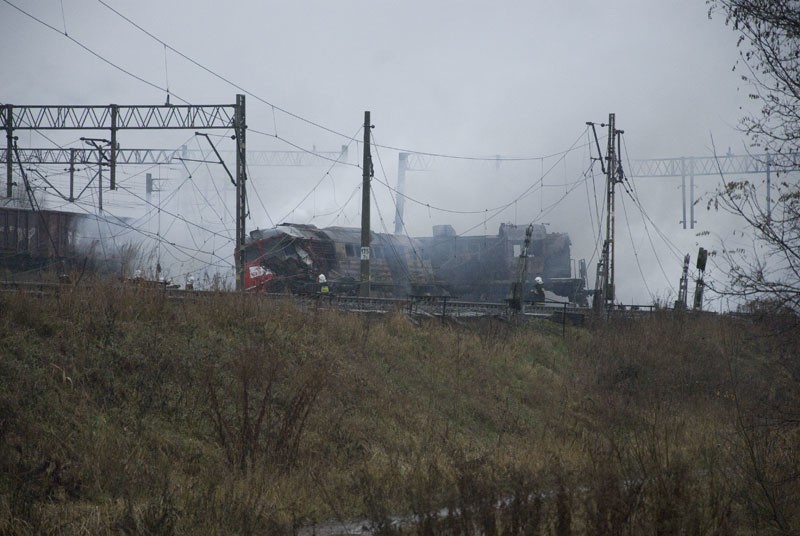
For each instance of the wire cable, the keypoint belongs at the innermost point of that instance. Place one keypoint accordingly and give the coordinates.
(327, 173)
(90, 51)
(294, 115)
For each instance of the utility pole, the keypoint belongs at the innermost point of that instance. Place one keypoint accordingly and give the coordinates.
(604, 282)
(516, 298)
(365, 215)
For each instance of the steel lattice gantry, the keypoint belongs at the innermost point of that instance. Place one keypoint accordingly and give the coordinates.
(125, 156)
(115, 117)
(693, 166)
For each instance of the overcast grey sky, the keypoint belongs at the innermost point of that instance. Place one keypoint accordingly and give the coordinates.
(466, 78)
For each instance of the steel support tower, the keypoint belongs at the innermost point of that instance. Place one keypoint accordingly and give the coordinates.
(113, 118)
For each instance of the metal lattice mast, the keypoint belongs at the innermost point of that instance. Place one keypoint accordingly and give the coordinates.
(115, 117)
(611, 180)
(695, 166)
(240, 127)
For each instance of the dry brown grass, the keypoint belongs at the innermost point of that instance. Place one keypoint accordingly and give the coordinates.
(125, 412)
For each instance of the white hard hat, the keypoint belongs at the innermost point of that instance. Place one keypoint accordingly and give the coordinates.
(322, 278)
(538, 280)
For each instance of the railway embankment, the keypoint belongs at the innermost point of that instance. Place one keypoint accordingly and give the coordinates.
(124, 410)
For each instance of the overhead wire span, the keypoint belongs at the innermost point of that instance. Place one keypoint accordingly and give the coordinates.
(405, 231)
(258, 196)
(337, 160)
(124, 224)
(327, 173)
(501, 207)
(633, 194)
(292, 114)
(217, 75)
(340, 211)
(237, 86)
(633, 246)
(478, 158)
(645, 219)
(205, 229)
(89, 50)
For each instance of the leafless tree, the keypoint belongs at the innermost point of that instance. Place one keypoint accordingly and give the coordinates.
(769, 43)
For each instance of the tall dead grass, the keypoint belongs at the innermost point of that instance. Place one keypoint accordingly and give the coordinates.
(124, 411)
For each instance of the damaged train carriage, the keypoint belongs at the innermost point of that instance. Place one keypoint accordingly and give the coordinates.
(482, 268)
(290, 257)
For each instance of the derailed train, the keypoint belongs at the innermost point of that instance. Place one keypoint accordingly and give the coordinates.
(290, 257)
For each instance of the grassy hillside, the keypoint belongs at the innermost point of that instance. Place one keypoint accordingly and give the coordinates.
(124, 412)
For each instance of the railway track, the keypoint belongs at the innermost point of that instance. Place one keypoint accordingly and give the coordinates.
(420, 306)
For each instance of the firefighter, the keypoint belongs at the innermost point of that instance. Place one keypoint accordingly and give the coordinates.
(323, 284)
(538, 290)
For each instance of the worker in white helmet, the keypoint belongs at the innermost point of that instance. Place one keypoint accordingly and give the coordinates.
(538, 290)
(323, 284)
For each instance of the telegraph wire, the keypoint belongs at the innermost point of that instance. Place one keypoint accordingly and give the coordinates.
(258, 196)
(402, 223)
(391, 192)
(633, 247)
(206, 229)
(258, 98)
(92, 52)
(337, 160)
(481, 158)
(217, 75)
(635, 196)
(327, 173)
(122, 223)
(213, 182)
(645, 218)
(389, 242)
(340, 212)
(297, 116)
(598, 233)
(499, 208)
(64, 18)
(544, 212)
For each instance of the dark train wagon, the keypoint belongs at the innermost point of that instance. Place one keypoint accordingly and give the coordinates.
(31, 240)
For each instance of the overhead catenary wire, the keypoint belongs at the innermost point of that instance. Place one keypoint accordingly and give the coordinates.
(109, 218)
(633, 194)
(91, 51)
(237, 86)
(633, 247)
(274, 107)
(645, 219)
(499, 208)
(414, 251)
(484, 211)
(324, 176)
